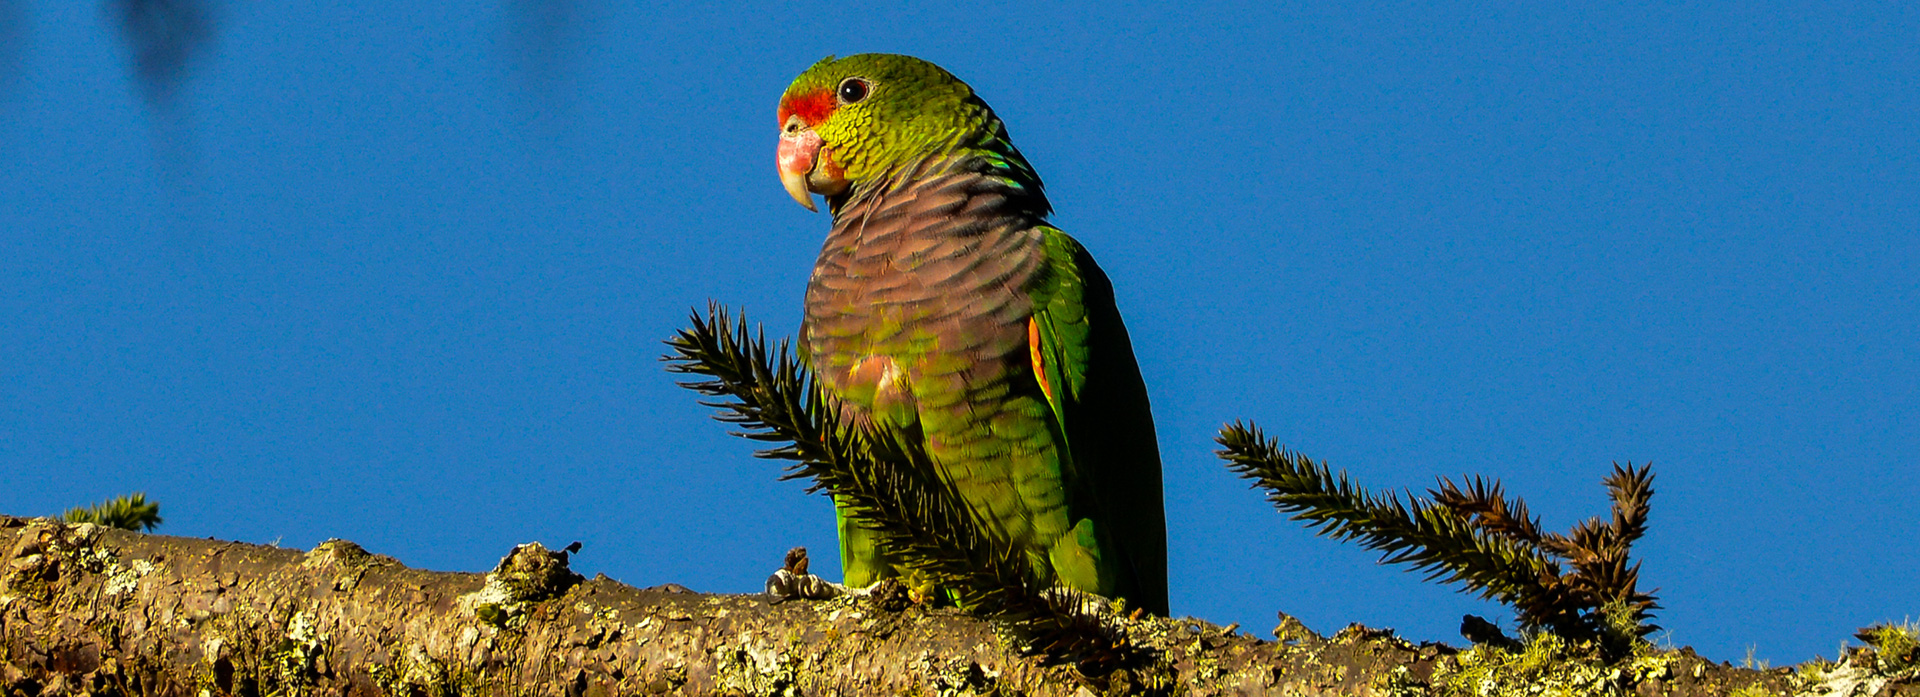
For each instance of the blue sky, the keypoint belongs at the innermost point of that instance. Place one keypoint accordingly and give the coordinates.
(398, 273)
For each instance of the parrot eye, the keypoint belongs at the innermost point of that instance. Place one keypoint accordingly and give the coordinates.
(852, 90)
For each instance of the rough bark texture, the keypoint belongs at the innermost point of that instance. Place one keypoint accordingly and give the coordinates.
(85, 610)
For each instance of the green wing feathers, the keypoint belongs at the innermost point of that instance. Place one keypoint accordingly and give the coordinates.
(1109, 456)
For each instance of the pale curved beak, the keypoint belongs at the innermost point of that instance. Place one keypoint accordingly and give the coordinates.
(799, 153)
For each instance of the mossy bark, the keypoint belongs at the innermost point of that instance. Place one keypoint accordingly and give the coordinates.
(87, 610)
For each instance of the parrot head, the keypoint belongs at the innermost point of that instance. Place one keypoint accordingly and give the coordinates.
(849, 121)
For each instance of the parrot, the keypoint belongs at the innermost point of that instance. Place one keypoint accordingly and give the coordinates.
(943, 305)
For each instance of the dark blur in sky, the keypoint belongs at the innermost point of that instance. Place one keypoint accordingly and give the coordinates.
(398, 273)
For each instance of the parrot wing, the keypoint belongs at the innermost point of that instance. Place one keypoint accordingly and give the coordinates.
(1085, 364)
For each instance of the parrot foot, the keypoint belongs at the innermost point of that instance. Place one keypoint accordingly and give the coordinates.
(1084, 603)
(792, 582)
(889, 594)
(785, 585)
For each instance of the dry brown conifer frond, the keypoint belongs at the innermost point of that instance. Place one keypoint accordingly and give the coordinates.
(1631, 490)
(1486, 502)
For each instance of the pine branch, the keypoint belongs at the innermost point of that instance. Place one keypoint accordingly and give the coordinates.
(884, 477)
(1475, 536)
(133, 512)
(1431, 538)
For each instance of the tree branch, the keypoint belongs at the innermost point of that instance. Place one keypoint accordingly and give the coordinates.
(88, 610)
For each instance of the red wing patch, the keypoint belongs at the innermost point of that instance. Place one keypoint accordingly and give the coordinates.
(1034, 354)
(813, 107)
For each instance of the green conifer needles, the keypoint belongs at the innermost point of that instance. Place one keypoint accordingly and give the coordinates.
(886, 479)
(126, 513)
(1474, 536)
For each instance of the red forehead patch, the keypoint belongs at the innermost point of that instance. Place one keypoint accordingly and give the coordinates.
(813, 106)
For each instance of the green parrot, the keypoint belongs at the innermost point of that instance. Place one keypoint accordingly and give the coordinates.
(944, 305)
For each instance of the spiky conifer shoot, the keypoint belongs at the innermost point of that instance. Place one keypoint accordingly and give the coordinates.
(133, 512)
(885, 479)
(1476, 537)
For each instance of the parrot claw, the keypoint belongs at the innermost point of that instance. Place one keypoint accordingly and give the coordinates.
(785, 585)
(889, 594)
(792, 582)
(1086, 603)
